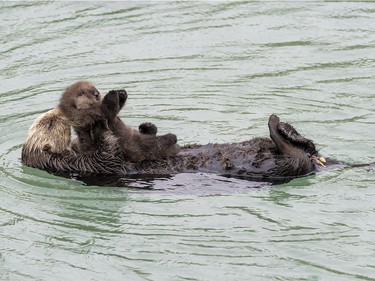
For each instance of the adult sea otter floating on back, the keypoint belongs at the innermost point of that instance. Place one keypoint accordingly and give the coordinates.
(285, 155)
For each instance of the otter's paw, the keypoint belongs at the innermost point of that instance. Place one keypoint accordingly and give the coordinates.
(148, 128)
(122, 97)
(168, 139)
(110, 105)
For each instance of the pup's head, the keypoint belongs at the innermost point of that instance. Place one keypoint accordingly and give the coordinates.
(80, 95)
(80, 103)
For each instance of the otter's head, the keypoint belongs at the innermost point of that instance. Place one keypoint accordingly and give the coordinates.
(80, 101)
(80, 95)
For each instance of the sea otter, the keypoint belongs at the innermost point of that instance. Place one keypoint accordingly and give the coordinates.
(285, 155)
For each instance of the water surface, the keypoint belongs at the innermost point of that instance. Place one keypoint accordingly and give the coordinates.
(209, 72)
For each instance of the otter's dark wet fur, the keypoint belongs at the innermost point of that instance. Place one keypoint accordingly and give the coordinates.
(290, 153)
(257, 158)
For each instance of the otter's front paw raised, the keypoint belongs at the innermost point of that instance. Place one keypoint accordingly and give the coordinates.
(122, 96)
(110, 105)
(148, 128)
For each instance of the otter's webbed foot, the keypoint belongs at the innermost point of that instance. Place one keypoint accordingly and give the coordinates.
(148, 128)
(291, 134)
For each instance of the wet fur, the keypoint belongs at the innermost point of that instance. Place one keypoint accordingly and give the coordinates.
(47, 147)
(259, 159)
(49, 134)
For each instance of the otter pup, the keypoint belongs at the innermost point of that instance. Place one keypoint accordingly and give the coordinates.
(48, 143)
(82, 105)
(49, 136)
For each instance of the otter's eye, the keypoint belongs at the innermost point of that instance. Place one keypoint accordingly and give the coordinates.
(81, 93)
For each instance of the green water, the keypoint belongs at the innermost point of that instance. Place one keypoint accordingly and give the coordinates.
(209, 72)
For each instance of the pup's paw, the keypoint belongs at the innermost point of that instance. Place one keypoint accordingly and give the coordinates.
(148, 128)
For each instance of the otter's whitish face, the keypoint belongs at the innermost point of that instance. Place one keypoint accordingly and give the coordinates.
(87, 97)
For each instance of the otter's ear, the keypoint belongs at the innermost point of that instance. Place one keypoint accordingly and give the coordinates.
(110, 106)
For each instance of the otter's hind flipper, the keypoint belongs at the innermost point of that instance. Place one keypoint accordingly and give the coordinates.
(291, 134)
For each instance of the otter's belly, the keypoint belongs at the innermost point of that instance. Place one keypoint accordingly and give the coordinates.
(255, 156)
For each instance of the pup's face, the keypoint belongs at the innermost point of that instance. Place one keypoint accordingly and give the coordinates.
(80, 96)
(86, 96)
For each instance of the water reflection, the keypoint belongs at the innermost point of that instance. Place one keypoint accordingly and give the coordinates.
(197, 183)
